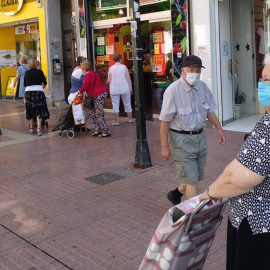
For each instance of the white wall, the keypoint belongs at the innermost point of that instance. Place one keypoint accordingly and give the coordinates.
(201, 37)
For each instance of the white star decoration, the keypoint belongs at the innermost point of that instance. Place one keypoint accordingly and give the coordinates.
(258, 160)
(245, 151)
(266, 123)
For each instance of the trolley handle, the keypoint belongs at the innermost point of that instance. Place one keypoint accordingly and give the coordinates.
(196, 210)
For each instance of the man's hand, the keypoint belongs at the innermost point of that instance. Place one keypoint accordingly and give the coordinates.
(165, 152)
(221, 137)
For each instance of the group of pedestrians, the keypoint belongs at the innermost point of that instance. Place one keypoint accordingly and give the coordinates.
(84, 80)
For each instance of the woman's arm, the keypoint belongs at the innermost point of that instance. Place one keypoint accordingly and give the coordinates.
(16, 79)
(86, 83)
(235, 180)
(44, 81)
(128, 78)
(109, 76)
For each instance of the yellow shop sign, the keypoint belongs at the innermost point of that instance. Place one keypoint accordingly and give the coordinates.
(10, 7)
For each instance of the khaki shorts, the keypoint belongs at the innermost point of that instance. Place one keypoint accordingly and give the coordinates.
(189, 153)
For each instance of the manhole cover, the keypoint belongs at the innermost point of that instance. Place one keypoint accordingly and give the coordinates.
(105, 178)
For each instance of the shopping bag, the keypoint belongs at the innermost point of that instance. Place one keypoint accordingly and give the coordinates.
(78, 114)
(184, 236)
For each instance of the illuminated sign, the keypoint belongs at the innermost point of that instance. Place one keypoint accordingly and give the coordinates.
(10, 7)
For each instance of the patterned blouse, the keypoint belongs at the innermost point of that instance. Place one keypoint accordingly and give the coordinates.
(255, 205)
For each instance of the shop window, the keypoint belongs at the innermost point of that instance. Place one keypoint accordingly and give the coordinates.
(157, 56)
(27, 41)
(108, 9)
(151, 6)
(111, 9)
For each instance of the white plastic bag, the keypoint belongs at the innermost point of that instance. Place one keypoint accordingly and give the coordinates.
(78, 114)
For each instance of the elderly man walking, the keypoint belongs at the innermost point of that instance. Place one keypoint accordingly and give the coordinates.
(186, 104)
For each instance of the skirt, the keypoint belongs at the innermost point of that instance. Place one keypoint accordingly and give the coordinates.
(36, 105)
(246, 251)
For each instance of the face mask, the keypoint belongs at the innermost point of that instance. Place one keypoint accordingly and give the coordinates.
(264, 93)
(193, 78)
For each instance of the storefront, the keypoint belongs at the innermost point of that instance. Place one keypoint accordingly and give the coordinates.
(232, 38)
(226, 34)
(110, 32)
(22, 32)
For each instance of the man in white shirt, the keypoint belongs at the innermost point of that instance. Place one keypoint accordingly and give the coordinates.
(186, 104)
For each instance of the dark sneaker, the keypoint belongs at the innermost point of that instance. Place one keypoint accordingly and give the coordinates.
(173, 198)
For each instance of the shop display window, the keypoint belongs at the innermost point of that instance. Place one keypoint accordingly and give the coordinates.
(157, 56)
(27, 41)
(111, 9)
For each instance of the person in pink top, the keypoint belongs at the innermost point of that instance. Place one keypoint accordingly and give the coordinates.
(92, 84)
(120, 86)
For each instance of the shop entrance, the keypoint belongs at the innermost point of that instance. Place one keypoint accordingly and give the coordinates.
(157, 58)
(237, 57)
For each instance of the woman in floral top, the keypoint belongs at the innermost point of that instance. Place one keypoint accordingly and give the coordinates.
(246, 181)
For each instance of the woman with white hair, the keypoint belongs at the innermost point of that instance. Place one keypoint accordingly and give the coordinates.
(35, 100)
(20, 75)
(246, 182)
(120, 86)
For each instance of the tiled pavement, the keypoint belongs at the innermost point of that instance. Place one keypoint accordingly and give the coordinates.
(51, 217)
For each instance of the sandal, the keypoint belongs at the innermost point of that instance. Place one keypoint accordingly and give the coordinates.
(96, 133)
(131, 120)
(115, 124)
(39, 132)
(31, 130)
(104, 135)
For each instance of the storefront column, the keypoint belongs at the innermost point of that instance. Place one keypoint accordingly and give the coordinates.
(54, 48)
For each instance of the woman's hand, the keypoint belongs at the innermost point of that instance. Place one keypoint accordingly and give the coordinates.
(205, 196)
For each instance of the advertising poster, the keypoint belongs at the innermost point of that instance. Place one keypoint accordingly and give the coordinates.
(8, 59)
(100, 50)
(100, 60)
(100, 41)
(11, 91)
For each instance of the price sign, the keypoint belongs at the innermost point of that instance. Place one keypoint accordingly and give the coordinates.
(159, 59)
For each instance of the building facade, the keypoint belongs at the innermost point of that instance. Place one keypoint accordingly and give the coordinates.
(231, 37)
(39, 29)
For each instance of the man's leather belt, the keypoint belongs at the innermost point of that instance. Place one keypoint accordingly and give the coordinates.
(187, 132)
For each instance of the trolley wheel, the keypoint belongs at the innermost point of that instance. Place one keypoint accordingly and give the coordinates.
(83, 129)
(59, 134)
(71, 134)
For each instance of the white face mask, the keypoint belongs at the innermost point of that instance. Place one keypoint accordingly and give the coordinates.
(193, 78)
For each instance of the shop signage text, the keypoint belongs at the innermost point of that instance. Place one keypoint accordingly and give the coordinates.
(10, 7)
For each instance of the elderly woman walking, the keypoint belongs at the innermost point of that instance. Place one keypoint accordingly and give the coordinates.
(20, 75)
(246, 181)
(92, 85)
(35, 100)
(120, 86)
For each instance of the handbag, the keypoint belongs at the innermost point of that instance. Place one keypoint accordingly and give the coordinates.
(89, 101)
